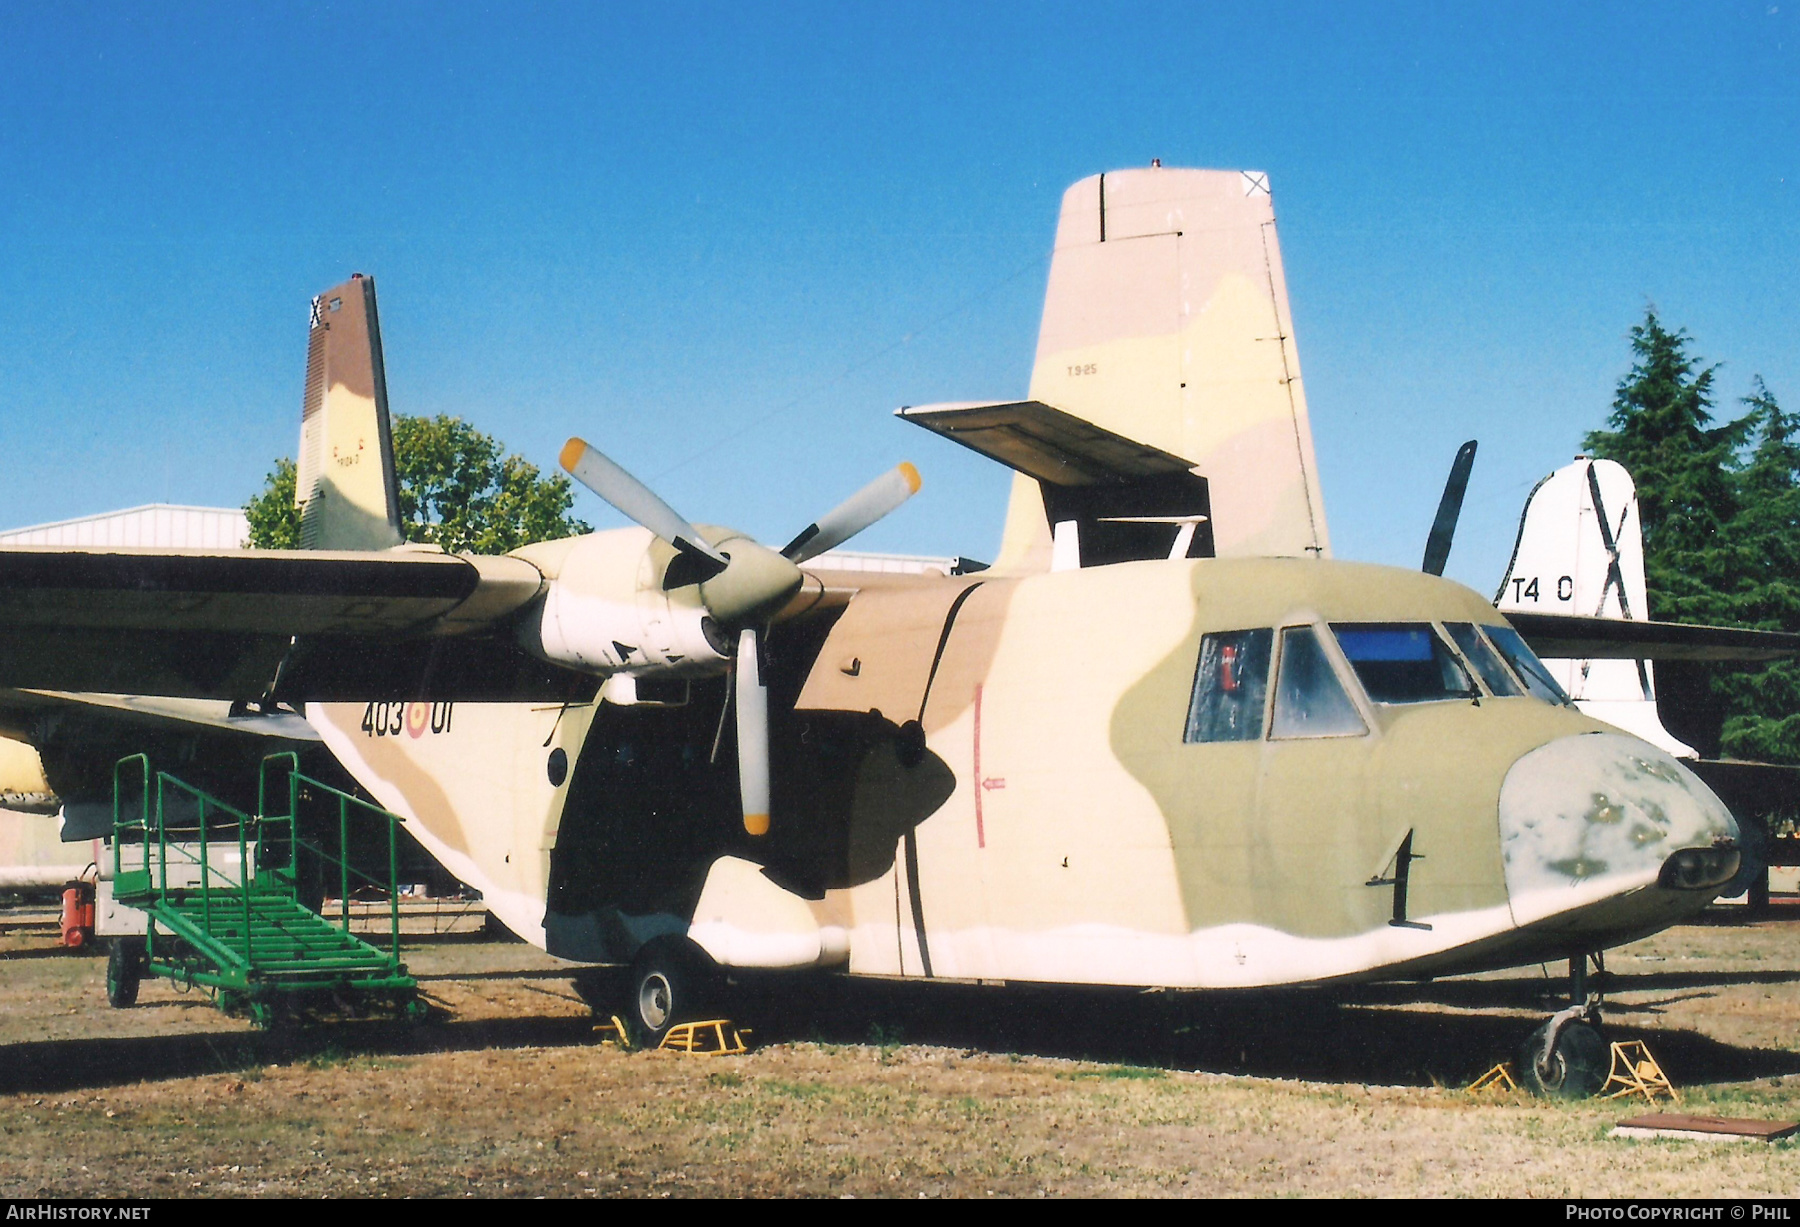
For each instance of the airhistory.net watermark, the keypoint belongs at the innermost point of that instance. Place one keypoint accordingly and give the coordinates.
(73, 1212)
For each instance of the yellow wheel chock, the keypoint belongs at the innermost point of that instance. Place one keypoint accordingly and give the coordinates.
(1498, 1080)
(1635, 1072)
(715, 1037)
(612, 1032)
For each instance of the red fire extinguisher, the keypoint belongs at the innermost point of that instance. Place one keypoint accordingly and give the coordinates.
(77, 913)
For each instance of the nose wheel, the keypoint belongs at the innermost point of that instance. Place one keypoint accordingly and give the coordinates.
(1567, 1057)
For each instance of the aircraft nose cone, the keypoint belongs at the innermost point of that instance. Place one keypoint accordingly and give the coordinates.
(1586, 817)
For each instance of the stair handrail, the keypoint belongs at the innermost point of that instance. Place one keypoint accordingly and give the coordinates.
(121, 823)
(271, 823)
(205, 802)
(153, 820)
(345, 803)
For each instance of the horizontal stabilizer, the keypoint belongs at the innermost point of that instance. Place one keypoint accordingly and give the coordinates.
(1578, 637)
(1125, 500)
(1044, 442)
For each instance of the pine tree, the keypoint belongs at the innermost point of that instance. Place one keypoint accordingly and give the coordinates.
(1662, 432)
(1762, 706)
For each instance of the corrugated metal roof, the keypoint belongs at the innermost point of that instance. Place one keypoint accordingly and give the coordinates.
(164, 525)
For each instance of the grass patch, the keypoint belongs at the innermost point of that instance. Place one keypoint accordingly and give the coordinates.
(796, 1090)
(1116, 1073)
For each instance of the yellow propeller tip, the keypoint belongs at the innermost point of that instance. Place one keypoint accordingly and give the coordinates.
(571, 454)
(911, 474)
(756, 824)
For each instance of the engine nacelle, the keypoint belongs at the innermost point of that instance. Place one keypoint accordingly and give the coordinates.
(605, 611)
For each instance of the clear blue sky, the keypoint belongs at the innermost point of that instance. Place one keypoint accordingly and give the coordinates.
(723, 242)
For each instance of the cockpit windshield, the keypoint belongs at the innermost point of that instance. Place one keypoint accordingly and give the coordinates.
(1476, 651)
(1525, 663)
(1403, 662)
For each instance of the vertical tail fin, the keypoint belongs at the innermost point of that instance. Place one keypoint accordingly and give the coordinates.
(1166, 321)
(1580, 550)
(345, 485)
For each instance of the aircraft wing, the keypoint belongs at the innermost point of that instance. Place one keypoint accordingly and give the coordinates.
(24, 715)
(1571, 636)
(251, 624)
(1044, 442)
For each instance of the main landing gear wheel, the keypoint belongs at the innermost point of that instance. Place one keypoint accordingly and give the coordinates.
(124, 971)
(1572, 1063)
(672, 981)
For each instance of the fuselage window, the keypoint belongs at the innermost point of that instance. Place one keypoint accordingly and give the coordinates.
(1230, 686)
(1525, 663)
(1402, 662)
(1476, 651)
(1309, 699)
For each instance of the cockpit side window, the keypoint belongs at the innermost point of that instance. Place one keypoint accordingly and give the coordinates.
(1309, 699)
(1525, 663)
(1403, 662)
(1476, 651)
(1230, 687)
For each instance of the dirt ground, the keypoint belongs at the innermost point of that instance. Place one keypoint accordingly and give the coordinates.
(870, 1089)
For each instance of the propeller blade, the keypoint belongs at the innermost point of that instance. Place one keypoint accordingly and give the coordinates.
(752, 700)
(854, 514)
(1443, 529)
(699, 561)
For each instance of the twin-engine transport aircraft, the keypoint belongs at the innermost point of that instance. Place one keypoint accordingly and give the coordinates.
(1165, 741)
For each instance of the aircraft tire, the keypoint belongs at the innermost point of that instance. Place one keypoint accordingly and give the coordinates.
(124, 971)
(1577, 1068)
(672, 981)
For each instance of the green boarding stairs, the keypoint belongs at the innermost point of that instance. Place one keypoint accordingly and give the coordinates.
(221, 890)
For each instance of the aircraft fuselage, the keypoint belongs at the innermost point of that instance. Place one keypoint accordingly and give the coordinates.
(1203, 774)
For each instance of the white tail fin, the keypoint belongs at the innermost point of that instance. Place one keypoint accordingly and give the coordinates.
(1580, 550)
(344, 484)
(1166, 322)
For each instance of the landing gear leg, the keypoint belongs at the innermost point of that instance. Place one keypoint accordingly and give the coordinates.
(1566, 1057)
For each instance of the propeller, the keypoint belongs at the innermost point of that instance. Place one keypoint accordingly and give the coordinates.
(752, 734)
(593, 469)
(1443, 529)
(854, 514)
(740, 587)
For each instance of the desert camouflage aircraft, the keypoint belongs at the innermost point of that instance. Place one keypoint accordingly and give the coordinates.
(1166, 740)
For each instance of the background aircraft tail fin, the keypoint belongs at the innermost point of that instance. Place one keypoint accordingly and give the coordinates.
(1166, 322)
(344, 484)
(1580, 550)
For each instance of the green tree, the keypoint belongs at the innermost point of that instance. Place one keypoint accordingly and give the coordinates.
(1662, 433)
(274, 520)
(1720, 509)
(458, 489)
(1762, 706)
